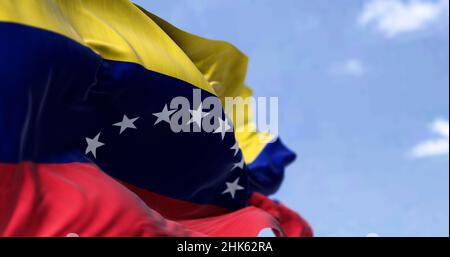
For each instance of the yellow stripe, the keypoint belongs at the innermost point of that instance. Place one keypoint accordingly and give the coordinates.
(225, 67)
(118, 30)
(115, 29)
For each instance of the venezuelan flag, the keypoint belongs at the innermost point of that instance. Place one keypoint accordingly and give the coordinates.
(86, 145)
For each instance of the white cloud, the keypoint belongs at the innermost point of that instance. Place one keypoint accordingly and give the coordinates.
(437, 146)
(393, 17)
(351, 67)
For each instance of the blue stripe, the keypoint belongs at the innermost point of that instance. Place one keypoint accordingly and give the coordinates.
(55, 92)
(267, 170)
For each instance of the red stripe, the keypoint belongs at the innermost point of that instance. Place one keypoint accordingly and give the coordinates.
(248, 222)
(58, 199)
(291, 223)
(174, 208)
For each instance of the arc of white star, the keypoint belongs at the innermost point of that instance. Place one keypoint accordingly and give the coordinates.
(239, 164)
(235, 147)
(233, 187)
(93, 144)
(223, 128)
(126, 123)
(164, 115)
(197, 115)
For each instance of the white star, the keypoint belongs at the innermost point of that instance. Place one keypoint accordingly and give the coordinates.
(233, 187)
(239, 164)
(126, 123)
(235, 147)
(163, 115)
(93, 144)
(223, 127)
(197, 116)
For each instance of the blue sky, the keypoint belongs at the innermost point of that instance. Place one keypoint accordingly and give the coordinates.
(363, 90)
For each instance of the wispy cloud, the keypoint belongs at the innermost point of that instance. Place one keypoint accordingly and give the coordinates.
(436, 146)
(350, 67)
(394, 17)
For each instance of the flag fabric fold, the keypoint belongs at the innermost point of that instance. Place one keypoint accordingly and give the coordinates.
(87, 120)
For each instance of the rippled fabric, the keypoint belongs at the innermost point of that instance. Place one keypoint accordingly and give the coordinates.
(70, 71)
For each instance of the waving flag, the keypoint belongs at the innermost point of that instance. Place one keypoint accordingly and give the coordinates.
(87, 141)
